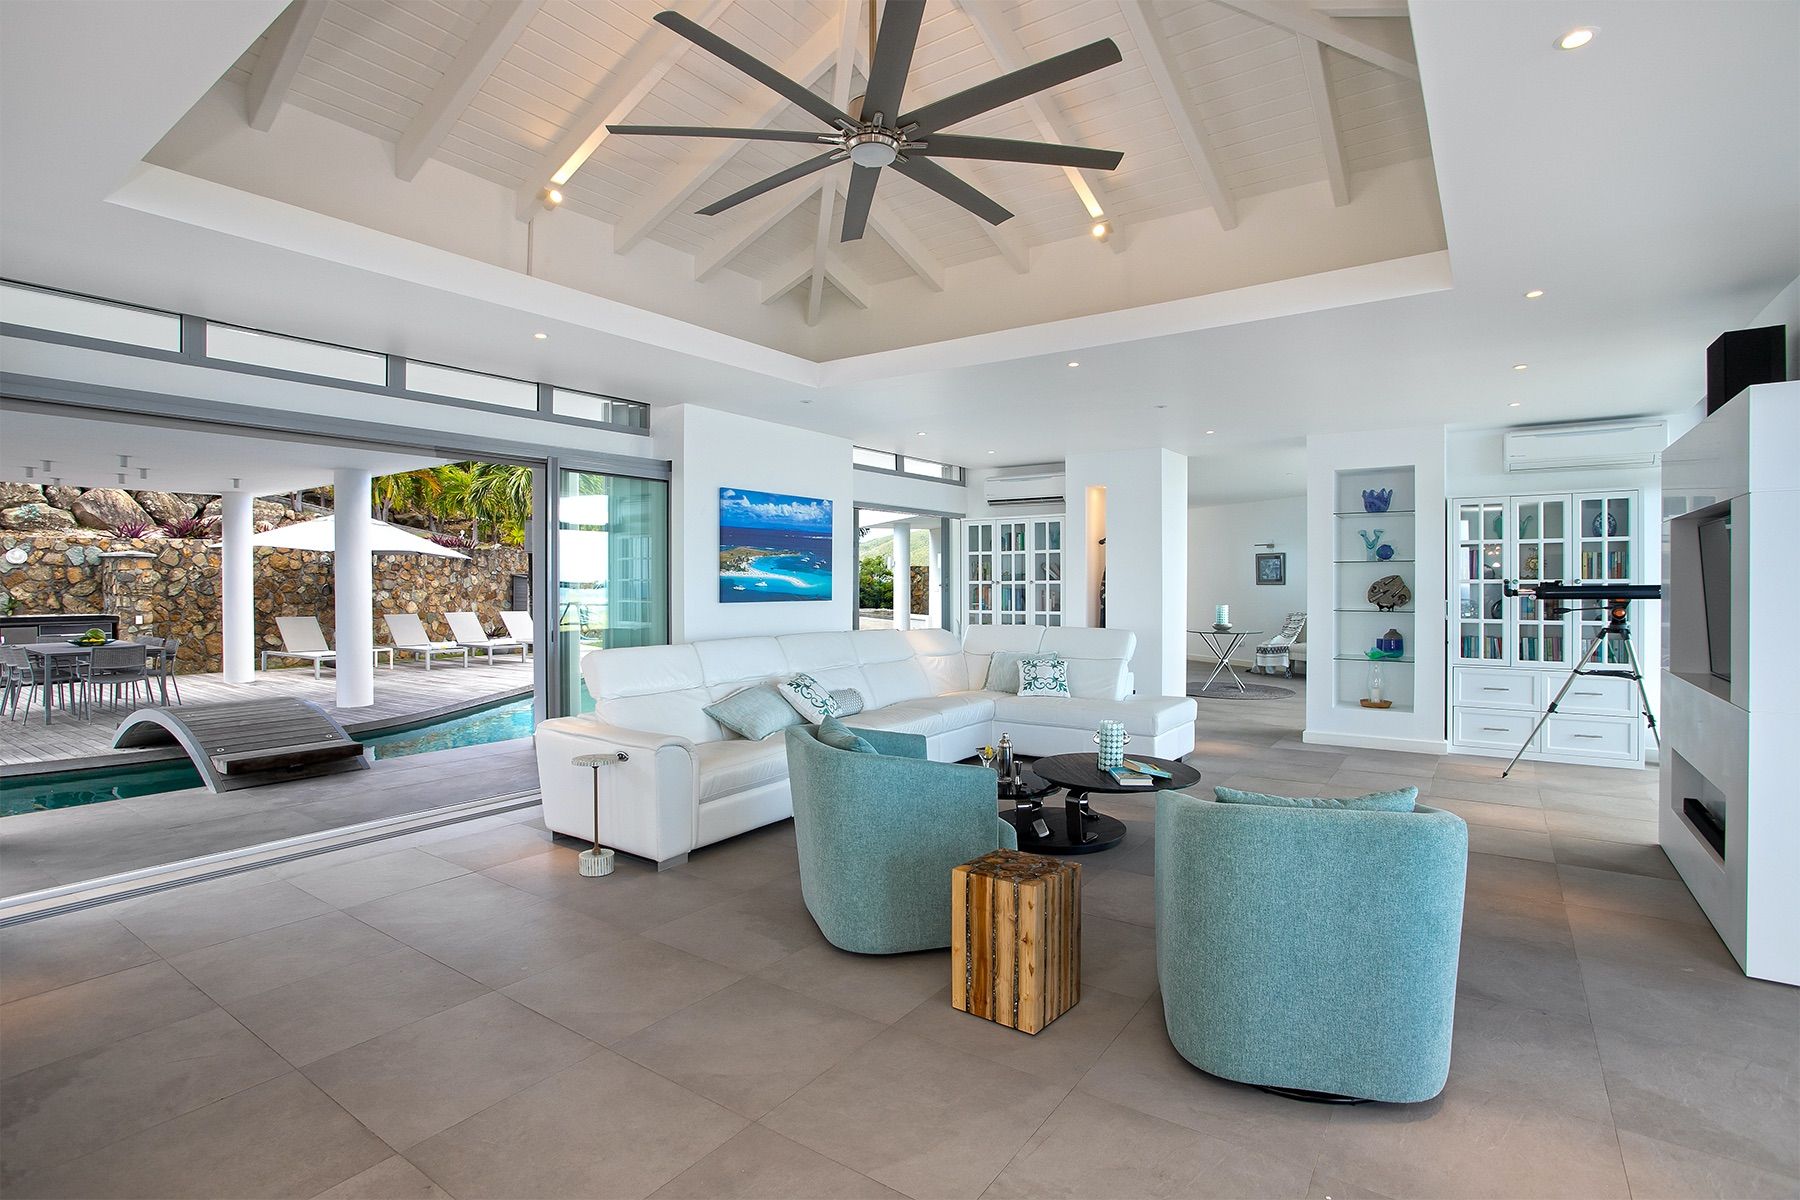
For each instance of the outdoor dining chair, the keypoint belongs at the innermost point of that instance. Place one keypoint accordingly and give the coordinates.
(162, 666)
(118, 668)
(410, 637)
(466, 628)
(46, 678)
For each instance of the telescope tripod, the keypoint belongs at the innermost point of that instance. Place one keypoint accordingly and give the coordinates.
(1615, 628)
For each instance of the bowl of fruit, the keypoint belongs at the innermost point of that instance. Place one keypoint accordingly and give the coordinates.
(93, 637)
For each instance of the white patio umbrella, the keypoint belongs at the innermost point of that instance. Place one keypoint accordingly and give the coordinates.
(321, 534)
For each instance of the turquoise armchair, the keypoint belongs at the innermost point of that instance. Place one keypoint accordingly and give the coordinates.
(1310, 949)
(878, 834)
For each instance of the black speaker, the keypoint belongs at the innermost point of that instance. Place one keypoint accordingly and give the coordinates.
(1744, 358)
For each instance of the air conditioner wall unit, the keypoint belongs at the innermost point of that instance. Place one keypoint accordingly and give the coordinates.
(1046, 487)
(1572, 447)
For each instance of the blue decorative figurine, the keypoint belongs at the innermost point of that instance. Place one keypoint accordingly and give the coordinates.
(1371, 541)
(1376, 500)
(1384, 552)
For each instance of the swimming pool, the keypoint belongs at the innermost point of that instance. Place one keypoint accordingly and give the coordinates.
(499, 722)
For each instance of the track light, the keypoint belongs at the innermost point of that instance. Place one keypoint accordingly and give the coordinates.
(1101, 230)
(552, 198)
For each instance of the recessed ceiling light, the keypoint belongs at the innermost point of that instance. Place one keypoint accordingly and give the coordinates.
(993, 452)
(921, 433)
(1074, 364)
(1576, 38)
(541, 336)
(1534, 294)
(1513, 404)
(1519, 366)
(1209, 433)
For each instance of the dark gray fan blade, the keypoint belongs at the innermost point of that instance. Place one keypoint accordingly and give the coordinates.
(707, 131)
(893, 57)
(1026, 81)
(948, 145)
(862, 195)
(774, 181)
(754, 67)
(924, 171)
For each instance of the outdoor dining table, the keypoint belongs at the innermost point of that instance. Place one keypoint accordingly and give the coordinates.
(48, 651)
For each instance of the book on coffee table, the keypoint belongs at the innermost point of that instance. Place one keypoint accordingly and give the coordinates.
(1144, 768)
(1126, 777)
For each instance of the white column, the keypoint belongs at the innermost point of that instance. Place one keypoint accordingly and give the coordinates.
(354, 577)
(902, 576)
(237, 587)
(934, 577)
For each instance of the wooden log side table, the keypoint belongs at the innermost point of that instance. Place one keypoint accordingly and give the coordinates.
(1015, 938)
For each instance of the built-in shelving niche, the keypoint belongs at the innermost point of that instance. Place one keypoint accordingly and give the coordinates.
(1357, 562)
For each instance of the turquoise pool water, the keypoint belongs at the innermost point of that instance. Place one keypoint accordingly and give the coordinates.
(70, 789)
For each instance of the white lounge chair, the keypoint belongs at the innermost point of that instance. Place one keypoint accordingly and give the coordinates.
(409, 637)
(302, 638)
(519, 627)
(466, 628)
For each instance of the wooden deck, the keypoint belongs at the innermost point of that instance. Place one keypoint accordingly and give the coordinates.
(408, 690)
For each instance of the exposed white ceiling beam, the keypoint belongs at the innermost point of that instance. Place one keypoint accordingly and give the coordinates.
(280, 60)
(892, 229)
(843, 65)
(641, 69)
(808, 64)
(798, 270)
(1312, 64)
(1357, 9)
(1356, 40)
(1153, 49)
(1053, 124)
(758, 217)
(1010, 243)
(492, 37)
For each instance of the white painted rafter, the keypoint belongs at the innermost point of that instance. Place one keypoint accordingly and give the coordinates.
(808, 64)
(1153, 49)
(891, 228)
(1046, 113)
(798, 270)
(842, 77)
(642, 68)
(1359, 9)
(1312, 65)
(1354, 38)
(759, 216)
(487, 44)
(280, 61)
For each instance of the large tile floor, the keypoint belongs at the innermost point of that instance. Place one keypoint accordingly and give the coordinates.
(461, 1013)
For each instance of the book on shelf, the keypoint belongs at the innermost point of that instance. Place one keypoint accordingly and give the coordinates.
(1126, 777)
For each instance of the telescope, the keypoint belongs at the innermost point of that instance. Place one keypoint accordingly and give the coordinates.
(1613, 600)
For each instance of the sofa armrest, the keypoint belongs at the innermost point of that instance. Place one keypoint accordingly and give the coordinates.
(648, 804)
(893, 745)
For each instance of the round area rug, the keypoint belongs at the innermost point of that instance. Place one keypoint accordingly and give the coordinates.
(1225, 690)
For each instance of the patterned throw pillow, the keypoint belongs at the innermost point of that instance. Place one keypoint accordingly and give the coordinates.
(839, 736)
(754, 712)
(809, 698)
(1044, 675)
(1399, 800)
(849, 701)
(1003, 672)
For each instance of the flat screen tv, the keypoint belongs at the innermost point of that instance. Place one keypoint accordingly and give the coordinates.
(1715, 589)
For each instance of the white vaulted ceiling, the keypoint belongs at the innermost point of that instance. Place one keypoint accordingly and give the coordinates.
(1269, 110)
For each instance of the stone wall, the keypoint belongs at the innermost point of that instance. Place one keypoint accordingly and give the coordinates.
(172, 584)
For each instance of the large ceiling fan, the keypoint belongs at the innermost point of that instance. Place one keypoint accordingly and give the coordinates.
(872, 136)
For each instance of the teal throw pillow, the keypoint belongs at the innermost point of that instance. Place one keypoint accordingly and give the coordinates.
(1398, 800)
(839, 736)
(1044, 675)
(753, 712)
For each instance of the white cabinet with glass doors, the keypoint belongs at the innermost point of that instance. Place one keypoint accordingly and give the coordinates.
(1013, 571)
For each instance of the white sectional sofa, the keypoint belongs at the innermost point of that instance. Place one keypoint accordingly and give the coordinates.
(689, 782)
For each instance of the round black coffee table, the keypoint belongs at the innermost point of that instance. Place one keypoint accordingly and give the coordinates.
(1077, 828)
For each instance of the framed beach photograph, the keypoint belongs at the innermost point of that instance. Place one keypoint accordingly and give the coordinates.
(1271, 569)
(773, 547)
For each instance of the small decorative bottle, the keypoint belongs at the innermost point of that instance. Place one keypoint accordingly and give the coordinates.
(1003, 758)
(1375, 683)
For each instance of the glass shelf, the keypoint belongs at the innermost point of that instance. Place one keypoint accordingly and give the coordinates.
(1363, 658)
(1392, 512)
(1373, 562)
(1378, 612)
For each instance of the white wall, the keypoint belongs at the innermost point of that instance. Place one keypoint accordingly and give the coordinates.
(1222, 547)
(1784, 309)
(711, 450)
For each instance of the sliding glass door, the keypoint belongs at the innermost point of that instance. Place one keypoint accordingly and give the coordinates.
(612, 586)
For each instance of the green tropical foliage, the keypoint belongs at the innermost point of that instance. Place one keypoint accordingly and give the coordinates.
(875, 582)
(493, 500)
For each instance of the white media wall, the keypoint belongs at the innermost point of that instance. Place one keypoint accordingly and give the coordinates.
(1223, 541)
